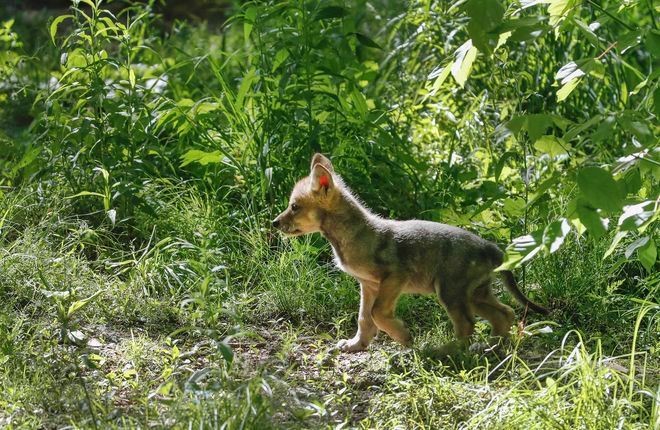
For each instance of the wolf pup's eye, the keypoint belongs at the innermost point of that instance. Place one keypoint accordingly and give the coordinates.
(294, 207)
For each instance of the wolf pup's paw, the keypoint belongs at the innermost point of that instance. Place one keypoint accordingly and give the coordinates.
(479, 348)
(351, 345)
(494, 343)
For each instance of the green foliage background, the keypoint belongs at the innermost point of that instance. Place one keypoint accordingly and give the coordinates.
(150, 155)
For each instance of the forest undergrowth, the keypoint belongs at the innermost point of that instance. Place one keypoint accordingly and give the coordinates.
(143, 157)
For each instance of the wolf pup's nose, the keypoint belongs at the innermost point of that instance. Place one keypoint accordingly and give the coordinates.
(276, 223)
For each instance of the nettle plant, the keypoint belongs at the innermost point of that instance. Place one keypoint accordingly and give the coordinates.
(575, 112)
(100, 110)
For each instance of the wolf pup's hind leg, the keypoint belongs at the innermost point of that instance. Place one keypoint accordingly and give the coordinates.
(487, 306)
(453, 297)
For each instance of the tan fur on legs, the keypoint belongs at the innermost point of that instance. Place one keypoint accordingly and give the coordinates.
(463, 321)
(486, 305)
(383, 312)
(366, 327)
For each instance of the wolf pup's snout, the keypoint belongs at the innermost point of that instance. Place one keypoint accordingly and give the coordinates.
(276, 223)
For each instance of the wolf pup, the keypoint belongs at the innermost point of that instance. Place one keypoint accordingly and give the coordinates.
(389, 258)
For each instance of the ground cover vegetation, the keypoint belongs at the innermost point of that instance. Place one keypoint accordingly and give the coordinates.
(142, 157)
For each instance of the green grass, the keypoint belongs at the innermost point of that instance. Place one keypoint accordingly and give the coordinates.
(141, 161)
(178, 335)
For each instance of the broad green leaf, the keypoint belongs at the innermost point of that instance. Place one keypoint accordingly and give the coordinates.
(502, 38)
(201, 157)
(513, 24)
(226, 352)
(567, 89)
(109, 23)
(569, 72)
(628, 40)
(647, 255)
(465, 56)
(78, 304)
(440, 75)
(524, 34)
(522, 249)
(7, 25)
(53, 26)
(514, 207)
(359, 102)
(588, 33)
(559, 10)
(636, 216)
(247, 30)
(596, 226)
(185, 102)
(555, 233)
(570, 75)
(638, 243)
(543, 188)
(251, 13)
(205, 107)
(579, 128)
(516, 124)
(624, 92)
(579, 227)
(485, 15)
(551, 145)
(501, 163)
(537, 125)
(599, 189)
(90, 3)
(636, 126)
(165, 388)
(28, 158)
(604, 130)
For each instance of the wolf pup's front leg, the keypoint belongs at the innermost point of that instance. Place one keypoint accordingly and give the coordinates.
(366, 326)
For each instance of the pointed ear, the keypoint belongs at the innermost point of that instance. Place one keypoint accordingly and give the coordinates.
(323, 161)
(321, 178)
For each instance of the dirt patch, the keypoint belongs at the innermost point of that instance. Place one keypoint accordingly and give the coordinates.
(311, 380)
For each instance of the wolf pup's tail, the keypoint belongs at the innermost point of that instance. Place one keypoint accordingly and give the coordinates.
(512, 286)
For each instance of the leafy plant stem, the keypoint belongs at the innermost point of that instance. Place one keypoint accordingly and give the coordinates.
(614, 17)
(652, 12)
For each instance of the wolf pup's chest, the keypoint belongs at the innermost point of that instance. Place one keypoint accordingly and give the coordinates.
(356, 261)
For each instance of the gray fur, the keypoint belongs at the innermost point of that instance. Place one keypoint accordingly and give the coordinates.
(391, 257)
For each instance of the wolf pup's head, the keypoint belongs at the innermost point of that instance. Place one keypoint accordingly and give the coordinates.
(311, 197)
